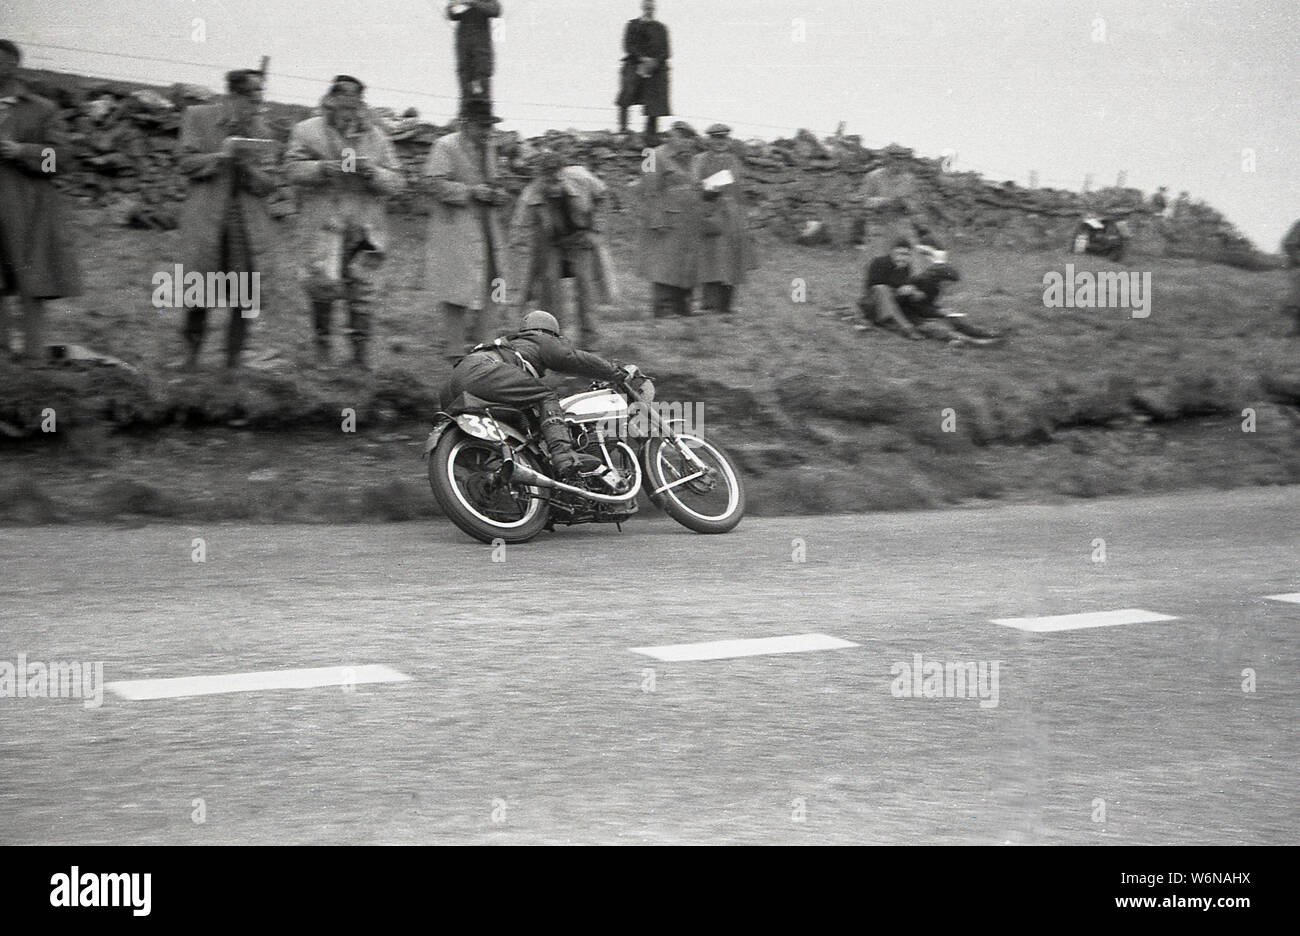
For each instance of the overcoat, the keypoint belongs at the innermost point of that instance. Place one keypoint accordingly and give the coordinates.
(727, 251)
(463, 233)
(672, 218)
(35, 242)
(211, 186)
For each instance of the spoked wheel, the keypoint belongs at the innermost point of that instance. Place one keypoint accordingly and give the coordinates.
(706, 498)
(465, 475)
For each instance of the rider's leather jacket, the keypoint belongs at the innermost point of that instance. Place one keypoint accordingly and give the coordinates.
(537, 351)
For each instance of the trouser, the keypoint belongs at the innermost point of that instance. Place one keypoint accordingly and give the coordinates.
(651, 124)
(349, 272)
(196, 323)
(236, 257)
(671, 300)
(717, 296)
(463, 325)
(582, 264)
(487, 376)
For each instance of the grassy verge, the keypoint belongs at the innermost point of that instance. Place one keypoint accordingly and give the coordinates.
(1079, 402)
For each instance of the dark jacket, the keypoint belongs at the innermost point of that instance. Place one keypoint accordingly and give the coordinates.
(35, 243)
(882, 271)
(474, 36)
(546, 352)
(642, 39)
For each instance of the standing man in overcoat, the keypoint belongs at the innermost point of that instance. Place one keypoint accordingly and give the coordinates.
(37, 261)
(224, 225)
(643, 78)
(465, 248)
(672, 216)
(727, 251)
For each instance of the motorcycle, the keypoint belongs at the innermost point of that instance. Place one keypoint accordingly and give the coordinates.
(489, 472)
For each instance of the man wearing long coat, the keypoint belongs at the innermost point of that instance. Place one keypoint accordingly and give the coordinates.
(37, 261)
(555, 228)
(643, 78)
(345, 169)
(464, 251)
(224, 226)
(727, 251)
(673, 216)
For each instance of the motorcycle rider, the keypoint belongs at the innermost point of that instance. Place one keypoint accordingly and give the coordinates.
(509, 371)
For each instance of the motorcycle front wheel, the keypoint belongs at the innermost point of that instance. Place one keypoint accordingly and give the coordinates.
(464, 473)
(708, 500)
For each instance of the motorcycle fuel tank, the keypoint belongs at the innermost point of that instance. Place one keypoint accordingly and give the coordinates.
(594, 405)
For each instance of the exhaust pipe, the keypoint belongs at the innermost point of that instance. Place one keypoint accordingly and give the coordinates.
(513, 471)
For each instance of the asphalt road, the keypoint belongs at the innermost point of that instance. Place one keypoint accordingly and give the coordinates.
(528, 719)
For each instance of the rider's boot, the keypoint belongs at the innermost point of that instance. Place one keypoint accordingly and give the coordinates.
(566, 462)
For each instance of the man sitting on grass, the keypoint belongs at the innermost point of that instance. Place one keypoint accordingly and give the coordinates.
(897, 296)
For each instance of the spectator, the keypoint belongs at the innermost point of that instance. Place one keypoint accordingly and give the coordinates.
(345, 169)
(1291, 249)
(672, 207)
(644, 76)
(474, 60)
(37, 261)
(464, 245)
(727, 251)
(555, 221)
(897, 296)
(224, 226)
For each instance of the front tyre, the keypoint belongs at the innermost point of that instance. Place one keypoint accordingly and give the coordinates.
(464, 473)
(708, 500)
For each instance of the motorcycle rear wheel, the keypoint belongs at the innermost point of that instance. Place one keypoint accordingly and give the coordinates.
(462, 474)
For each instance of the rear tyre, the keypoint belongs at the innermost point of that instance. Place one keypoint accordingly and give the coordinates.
(464, 473)
(711, 503)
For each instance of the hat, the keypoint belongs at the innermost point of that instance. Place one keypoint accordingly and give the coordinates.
(12, 49)
(541, 320)
(718, 129)
(478, 110)
(342, 79)
(682, 127)
(901, 242)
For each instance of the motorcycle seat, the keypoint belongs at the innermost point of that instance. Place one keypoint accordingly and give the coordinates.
(468, 403)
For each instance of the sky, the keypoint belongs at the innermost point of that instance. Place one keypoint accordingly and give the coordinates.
(1196, 95)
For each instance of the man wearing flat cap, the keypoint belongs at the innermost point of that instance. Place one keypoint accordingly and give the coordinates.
(224, 226)
(727, 252)
(37, 261)
(643, 78)
(345, 169)
(672, 214)
(464, 249)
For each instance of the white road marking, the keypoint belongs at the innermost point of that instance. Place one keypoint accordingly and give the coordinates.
(1294, 597)
(755, 646)
(1064, 622)
(178, 688)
